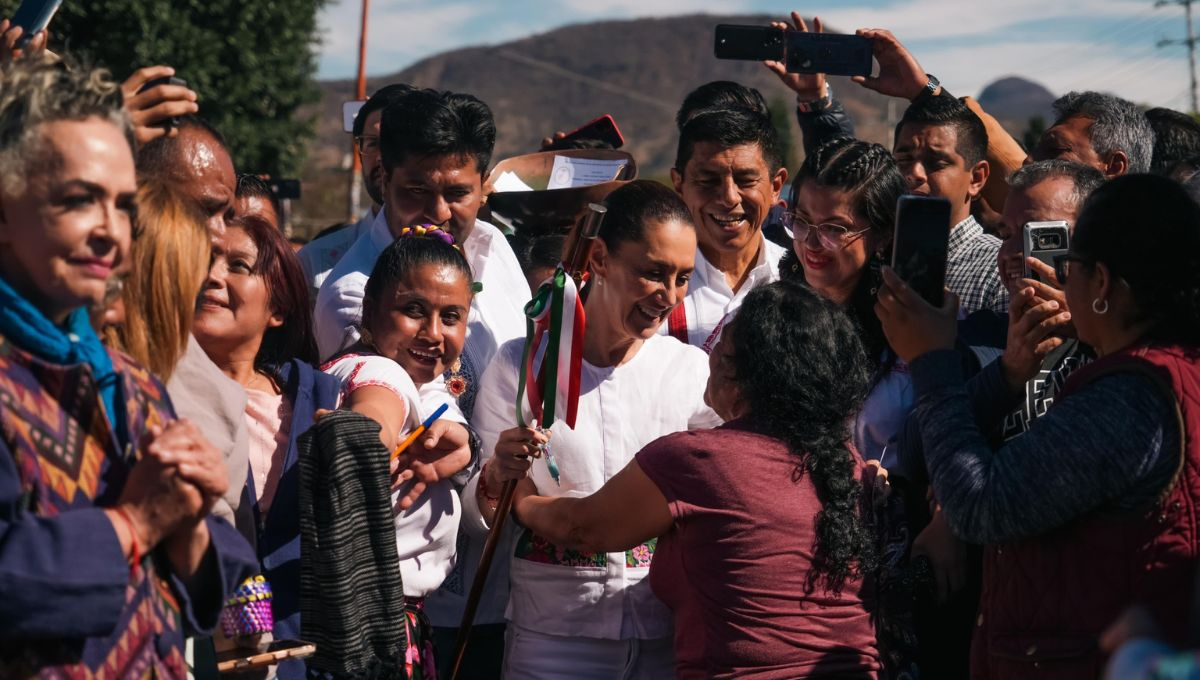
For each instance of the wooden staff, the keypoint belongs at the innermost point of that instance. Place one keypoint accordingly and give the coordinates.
(579, 253)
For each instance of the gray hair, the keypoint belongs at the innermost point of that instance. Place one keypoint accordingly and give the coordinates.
(1120, 125)
(1084, 178)
(35, 91)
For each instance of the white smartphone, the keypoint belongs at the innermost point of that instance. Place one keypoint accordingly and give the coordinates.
(350, 112)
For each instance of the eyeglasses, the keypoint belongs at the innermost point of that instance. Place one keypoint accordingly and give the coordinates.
(367, 144)
(1062, 266)
(831, 236)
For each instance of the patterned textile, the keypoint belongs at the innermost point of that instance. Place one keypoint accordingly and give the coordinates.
(350, 584)
(534, 548)
(66, 458)
(420, 662)
(971, 269)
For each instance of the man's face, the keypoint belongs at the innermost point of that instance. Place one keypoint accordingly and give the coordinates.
(1070, 140)
(1050, 200)
(445, 191)
(929, 159)
(729, 191)
(205, 174)
(372, 164)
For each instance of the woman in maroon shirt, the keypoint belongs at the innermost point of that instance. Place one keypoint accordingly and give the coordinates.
(763, 544)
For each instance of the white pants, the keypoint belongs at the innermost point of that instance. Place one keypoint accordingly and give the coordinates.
(531, 655)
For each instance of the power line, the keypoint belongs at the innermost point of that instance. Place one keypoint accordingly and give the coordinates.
(1190, 41)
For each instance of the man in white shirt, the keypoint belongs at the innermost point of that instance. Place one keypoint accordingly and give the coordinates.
(729, 171)
(435, 150)
(318, 257)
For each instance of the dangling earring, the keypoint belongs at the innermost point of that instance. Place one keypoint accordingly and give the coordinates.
(1096, 306)
(456, 382)
(876, 269)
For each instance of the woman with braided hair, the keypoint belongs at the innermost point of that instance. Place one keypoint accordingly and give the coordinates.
(841, 216)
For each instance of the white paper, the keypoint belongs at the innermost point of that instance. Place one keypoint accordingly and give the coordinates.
(569, 172)
(508, 181)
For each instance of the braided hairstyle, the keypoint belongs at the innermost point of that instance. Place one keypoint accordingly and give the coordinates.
(801, 368)
(869, 173)
(416, 246)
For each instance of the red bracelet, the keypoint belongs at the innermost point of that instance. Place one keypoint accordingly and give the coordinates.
(135, 554)
(483, 485)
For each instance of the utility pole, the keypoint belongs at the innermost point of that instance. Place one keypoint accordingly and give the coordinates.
(360, 94)
(1190, 41)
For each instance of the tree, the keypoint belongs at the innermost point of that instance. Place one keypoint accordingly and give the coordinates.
(781, 120)
(251, 63)
(1037, 125)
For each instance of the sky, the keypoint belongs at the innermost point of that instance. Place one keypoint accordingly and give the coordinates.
(1108, 45)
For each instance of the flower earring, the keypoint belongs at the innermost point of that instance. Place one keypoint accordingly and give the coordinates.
(456, 382)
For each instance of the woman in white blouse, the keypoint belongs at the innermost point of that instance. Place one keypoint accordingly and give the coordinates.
(583, 615)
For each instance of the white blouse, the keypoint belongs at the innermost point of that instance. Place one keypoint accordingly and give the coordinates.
(425, 532)
(621, 409)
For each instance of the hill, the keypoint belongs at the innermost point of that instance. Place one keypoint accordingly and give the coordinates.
(638, 71)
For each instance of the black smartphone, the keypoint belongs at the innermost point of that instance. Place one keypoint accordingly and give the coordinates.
(1044, 241)
(34, 16)
(603, 128)
(829, 53)
(921, 244)
(165, 80)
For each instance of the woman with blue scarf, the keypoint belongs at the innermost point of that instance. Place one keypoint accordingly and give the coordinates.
(107, 556)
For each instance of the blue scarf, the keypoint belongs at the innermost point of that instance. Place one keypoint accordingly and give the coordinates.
(75, 343)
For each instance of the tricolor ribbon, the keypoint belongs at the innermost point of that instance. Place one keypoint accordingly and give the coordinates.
(553, 318)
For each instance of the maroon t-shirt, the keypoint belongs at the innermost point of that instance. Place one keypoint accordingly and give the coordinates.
(733, 568)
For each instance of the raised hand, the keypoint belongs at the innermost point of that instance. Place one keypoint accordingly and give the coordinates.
(150, 110)
(807, 86)
(10, 38)
(900, 75)
(913, 326)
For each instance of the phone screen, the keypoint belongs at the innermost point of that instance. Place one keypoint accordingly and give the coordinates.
(921, 245)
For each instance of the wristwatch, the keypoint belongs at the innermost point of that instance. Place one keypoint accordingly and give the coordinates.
(930, 88)
(815, 105)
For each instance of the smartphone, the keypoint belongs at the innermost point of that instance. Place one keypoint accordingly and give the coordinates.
(248, 659)
(829, 53)
(1044, 241)
(165, 80)
(350, 112)
(921, 245)
(285, 189)
(603, 128)
(34, 16)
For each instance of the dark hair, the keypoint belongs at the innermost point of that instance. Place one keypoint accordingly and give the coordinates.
(1084, 178)
(720, 94)
(1160, 262)
(634, 204)
(404, 255)
(380, 100)
(538, 252)
(869, 173)
(253, 186)
(158, 157)
(1176, 139)
(728, 128)
(1117, 125)
(429, 123)
(971, 136)
(801, 368)
(289, 298)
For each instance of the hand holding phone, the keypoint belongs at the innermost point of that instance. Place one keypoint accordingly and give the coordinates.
(33, 16)
(155, 100)
(603, 129)
(1043, 241)
(16, 42)
(800, 52)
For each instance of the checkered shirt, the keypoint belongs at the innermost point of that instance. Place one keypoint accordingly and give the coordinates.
(972, 271)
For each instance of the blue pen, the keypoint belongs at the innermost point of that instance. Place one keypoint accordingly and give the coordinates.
(419, 431)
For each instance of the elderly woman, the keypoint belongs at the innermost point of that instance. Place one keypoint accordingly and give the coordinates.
(589, 613)
(107, 556)
(1089, 511)
(762, 543)
(252, 318)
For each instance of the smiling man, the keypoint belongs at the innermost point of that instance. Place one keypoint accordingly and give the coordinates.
(729, 171)
(941, 148)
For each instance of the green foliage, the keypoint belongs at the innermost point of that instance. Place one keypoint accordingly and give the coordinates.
(781, 120)
(1037, 125)
(251, 62)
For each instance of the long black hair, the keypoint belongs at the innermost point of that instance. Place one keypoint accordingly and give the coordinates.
(801, 368)
(869, 173)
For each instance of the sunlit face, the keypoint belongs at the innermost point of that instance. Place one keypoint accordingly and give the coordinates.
(206, 176)
(928, 157)
(729, 191)
(372, 161)
(234, 309)
(258, 210)
(1069, 140)
(445, 191)
(420, 322)
(1047, 201)
(643, 281)
(65, 233)
(722, 393)
(831, 272)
